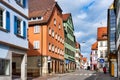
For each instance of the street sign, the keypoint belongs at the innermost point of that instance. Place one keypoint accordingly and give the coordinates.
(101, 60)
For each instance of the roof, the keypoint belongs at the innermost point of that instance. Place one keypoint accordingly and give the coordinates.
(41, 8)
(77, 45)
(84, 59)
(94, 46)
(66, 16)
(111, 6)
(102, 33)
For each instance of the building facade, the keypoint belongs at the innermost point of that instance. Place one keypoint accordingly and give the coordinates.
(94, 56)
(77, 56)
(111, 41)
(69, 54)
(46, 38)
(13, 40)
(102, 48)
(117, 13)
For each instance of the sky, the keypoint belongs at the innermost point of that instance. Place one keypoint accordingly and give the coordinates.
(87, 16)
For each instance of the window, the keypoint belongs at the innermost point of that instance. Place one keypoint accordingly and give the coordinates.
(49, 46)
(36, 29)
(55, 22)
(101, 44)
(56, 49)
(61, 40)
(59, 26)
(101, 55)
(52, 47)
(49, 31)
(1, 18)
(4, 19)
(56, 36)
(22, 3)
(19, 27)
(52, 33)
(4, 67)
(36, 44)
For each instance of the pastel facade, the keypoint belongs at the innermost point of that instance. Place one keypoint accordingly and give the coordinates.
(94, 56)
(69, 53)
(13, 40)
(102, 48)
(77, 55)
(46, 38)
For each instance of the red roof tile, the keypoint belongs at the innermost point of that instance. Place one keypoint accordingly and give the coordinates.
(102, 33)
(66, 16)
(41, 8)
(94, 46)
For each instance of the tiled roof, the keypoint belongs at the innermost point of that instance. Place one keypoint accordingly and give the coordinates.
(41, 8)
(102, 33)
(66, 16)
(84, 59)
(94, 46)
(77, 45)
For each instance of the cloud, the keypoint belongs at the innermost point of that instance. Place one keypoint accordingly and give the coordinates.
(87, 16)
(82, 16)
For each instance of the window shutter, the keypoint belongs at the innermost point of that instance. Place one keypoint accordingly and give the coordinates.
(15, 25)
(24, 3)
(24, 29)
(7, 21)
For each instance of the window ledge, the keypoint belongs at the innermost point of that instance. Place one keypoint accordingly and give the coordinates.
(19, 4)
(2, 29)
(19, 35)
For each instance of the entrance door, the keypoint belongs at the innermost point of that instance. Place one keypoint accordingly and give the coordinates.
(48, 67)
(13, 68)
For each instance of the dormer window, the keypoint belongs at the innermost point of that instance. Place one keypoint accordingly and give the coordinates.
(36, 18)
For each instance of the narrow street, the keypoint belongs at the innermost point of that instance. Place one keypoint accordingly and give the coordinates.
(79, 75)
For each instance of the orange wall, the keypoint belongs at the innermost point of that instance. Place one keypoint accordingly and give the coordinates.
(45, 38)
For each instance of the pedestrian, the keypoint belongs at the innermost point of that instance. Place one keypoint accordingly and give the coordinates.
(104, 70)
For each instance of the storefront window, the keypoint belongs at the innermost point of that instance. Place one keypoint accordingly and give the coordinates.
(4, 67)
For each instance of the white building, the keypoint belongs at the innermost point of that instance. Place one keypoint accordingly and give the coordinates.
(102, 47)
(77, 55)
(13, 39)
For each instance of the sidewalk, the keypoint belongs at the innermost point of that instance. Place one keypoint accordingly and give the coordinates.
(102, 76)
(47, 77)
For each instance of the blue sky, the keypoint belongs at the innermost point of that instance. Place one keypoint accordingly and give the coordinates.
(87, 16)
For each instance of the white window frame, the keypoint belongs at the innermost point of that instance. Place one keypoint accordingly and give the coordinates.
(56, 36)
(4, 18)
(56, 49)
(36, 29)
(49, 31)
(36, 44)
(21, 27)
(49, 47)
(53, 33)
(53, 48)
(59, 26)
